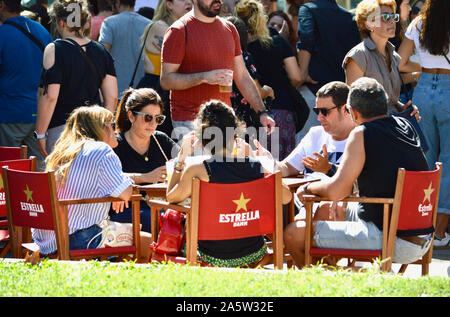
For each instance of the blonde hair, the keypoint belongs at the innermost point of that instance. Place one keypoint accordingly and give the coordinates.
(161, 14)
(365, 9)
(84, 124)
(63, 9)
(252, 13)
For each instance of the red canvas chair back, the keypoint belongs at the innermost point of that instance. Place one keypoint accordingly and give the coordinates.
(30, 199)
(13, 153)
(22, 165)
(234, 211)
(418, 201)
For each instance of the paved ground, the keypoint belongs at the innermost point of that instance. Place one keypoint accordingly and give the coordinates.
(440, 265)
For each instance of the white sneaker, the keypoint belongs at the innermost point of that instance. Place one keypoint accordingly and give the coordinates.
(442, 243)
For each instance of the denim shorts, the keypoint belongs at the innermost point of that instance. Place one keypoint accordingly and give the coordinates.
(355, 233)
(80, 239)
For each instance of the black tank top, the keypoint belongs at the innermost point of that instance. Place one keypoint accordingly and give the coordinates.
(226, 173)
(390, 143)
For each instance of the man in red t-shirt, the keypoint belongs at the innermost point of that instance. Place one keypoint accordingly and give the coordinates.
(201, 52)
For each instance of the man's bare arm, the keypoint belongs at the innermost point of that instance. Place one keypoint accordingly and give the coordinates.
(341, 184)
(171, 79)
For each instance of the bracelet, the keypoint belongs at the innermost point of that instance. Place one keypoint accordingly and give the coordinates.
(179, 166)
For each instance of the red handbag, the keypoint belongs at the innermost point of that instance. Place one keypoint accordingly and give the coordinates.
(171, 234)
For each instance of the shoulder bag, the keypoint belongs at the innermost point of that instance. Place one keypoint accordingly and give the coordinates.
(28, 34)
(412, 119)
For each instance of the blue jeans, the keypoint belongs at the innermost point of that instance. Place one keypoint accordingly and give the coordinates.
(126, 216)
(180, 129)
(80, 238)
(431, 96)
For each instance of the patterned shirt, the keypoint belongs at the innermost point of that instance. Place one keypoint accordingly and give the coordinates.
(95, 172)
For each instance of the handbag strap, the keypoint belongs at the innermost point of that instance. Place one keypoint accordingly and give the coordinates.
(446, 58)
(28, 34)
(160, 148)
(86, 58)
(140, 55)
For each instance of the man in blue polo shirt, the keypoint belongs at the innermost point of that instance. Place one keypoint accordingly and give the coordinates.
(20, 70)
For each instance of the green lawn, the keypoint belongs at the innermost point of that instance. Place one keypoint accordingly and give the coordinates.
(103, 279)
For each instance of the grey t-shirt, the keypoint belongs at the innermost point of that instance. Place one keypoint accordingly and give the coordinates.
(123, 32)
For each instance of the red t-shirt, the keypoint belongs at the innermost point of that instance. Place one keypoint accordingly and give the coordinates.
(204, 47)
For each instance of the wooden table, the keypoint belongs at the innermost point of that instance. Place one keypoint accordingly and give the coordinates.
(159, 190)
(294, 183)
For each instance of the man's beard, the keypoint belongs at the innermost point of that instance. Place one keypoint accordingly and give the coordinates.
(209, 11)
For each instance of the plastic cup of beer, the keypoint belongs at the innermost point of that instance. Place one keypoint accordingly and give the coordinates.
(229, 84)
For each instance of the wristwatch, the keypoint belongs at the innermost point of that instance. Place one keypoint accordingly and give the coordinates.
(38, 136)
(263, 111)
(331, 171)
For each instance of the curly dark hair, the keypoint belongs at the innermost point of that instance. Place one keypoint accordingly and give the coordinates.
(217, 115)
(435, 33)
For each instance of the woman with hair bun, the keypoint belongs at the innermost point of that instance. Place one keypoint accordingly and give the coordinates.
(75, 71)
(223, 167)
(277, 64)
(142, 149)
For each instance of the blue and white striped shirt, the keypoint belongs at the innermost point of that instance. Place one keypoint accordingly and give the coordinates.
(95, 172)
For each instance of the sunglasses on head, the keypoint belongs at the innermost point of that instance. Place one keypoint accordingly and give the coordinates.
(159, 118)
(388, 17)
(323, 111)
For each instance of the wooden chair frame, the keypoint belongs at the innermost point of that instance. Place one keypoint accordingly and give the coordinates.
(192, 215)
(391, 213)
(60, 221)
(26, 233)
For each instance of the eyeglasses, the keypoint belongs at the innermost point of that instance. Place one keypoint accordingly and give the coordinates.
(159, 118)
(323, 111)
(113, 125)
(388, 17)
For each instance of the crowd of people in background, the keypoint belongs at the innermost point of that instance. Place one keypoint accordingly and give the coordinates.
(164, 73)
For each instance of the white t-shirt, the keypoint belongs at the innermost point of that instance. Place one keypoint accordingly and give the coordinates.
(312, 142)
(426, 59)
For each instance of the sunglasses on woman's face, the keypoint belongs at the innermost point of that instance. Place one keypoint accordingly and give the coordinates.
(323, 111)
(159, 118)
(388, 17)
(113, 125)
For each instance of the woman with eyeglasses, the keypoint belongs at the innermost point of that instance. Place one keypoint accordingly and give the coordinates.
(375, 56)
(429, 35)
(142, 149)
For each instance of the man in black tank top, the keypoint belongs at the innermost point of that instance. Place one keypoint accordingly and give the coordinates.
(375, 149)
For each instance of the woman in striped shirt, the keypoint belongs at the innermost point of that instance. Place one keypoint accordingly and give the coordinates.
(86, 166)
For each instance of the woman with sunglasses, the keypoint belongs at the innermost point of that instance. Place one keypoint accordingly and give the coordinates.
(142, 149)
(429, 35)
(86, 166)
(375, 56)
